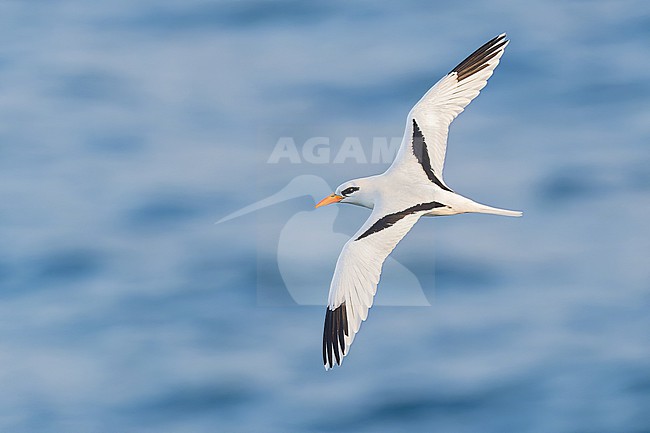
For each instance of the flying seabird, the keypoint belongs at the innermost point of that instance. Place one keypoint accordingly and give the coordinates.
(411, 188)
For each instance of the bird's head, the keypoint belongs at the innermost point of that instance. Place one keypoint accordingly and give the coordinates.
(357, 192)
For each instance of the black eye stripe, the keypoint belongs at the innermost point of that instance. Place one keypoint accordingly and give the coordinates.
(350, 190)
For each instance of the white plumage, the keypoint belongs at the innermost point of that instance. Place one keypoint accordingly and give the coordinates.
(412, 187)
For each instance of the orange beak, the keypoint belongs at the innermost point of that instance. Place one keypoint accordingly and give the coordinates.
(334, 198)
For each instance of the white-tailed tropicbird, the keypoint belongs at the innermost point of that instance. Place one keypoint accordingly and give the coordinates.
(411, 188)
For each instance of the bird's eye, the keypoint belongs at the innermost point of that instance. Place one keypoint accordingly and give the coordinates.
(347, 191)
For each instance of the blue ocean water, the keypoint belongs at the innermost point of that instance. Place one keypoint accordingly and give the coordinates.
(129, 128)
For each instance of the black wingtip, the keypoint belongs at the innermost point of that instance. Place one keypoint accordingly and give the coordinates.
(479, 59)
(336, 328)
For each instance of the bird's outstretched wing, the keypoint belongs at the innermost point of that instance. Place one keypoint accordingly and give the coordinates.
(429, 120)
(357, 273)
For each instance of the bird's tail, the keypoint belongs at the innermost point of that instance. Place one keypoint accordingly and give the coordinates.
(496, 211)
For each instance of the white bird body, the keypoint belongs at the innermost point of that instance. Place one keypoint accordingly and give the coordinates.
(411, 188)
(395, 190)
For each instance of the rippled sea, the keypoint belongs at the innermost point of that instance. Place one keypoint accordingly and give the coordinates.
(128, 128)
